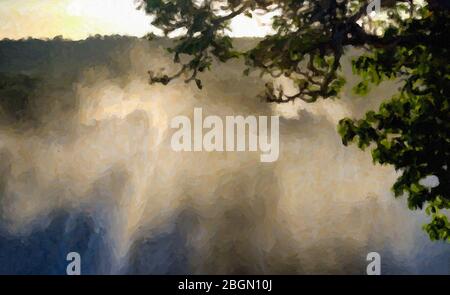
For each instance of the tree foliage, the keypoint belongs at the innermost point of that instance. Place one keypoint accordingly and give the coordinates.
(407, 40)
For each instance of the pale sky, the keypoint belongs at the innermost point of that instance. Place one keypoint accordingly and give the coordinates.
(78, 19)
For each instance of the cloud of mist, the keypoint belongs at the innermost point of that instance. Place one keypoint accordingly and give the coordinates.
(99, 143)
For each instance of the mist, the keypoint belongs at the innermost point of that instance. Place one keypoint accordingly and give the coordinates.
(86, 165)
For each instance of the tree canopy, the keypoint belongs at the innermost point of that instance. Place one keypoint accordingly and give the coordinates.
(404, 40)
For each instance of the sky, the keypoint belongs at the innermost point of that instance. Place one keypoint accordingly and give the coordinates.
(79, 19)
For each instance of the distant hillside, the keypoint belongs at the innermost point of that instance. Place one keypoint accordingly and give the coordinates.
(32, 56)
(29, 67)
